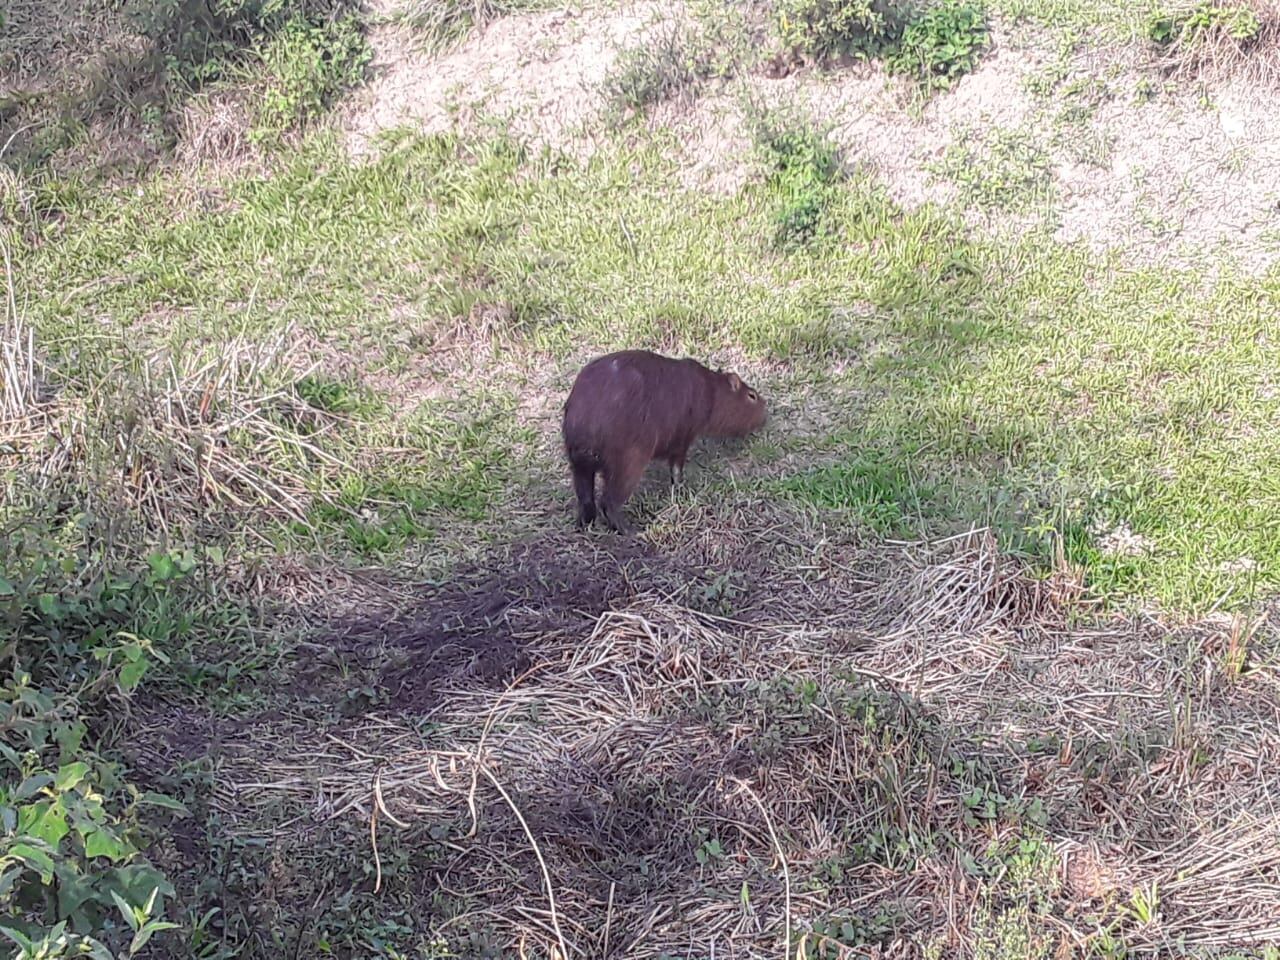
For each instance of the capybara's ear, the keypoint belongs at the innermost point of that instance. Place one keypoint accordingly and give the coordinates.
(735, 383)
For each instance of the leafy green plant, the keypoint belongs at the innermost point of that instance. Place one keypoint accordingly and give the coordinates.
(82, 635)
(820, 30)
(941, 44)
(709, 852)
(803, 166)
(832, 935)
(71, 848)
(720, 595)
(308, 65)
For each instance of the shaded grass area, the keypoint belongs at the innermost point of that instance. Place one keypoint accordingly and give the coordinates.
(1023, 384)
(942, 761)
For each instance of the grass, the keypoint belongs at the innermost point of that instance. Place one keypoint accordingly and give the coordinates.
(300, 516)
(1209, 39)
(1020, 383)
(998, 169)
(1115, 21)
(111, 92)
(441, 25)
(659, 68)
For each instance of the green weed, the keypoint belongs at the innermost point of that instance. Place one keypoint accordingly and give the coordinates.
(334, 396)
(940, 44)
(822, 30)
(802, 165)
(307, 65)
(832, 935)
(997, 170)
(86, 631)
(934, 43)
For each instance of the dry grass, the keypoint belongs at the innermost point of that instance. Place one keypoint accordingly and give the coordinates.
(214, 130)
(173, 436)
(444, 23)
(19, 380)
(1222, 42)
(666, 781)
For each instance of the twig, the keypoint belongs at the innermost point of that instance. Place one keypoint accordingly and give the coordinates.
(373, 840)
(782, 858)
(608, 920)
(479, 751)
(537, 852)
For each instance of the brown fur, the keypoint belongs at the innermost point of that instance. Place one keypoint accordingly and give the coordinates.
(627, 409)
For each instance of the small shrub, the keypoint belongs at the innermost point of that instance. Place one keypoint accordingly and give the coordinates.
(821, 30)
(308, 65)
(652, 72)
(803, 165)
(941, 44)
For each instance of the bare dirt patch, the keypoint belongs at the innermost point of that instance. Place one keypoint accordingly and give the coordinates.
(1188, 177)
(541, 72)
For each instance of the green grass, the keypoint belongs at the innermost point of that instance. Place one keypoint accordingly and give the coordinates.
(1125, 20)
(1032, 386)
(997, 169)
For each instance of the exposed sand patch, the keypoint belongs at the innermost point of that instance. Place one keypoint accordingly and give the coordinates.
(539, 72)
(1192, 173)
(1185, 179)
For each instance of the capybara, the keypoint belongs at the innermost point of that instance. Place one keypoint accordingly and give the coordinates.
(627, 409)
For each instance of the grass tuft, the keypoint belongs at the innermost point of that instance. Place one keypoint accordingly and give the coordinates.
(442, 24)
(661, 67)
(1218, 40)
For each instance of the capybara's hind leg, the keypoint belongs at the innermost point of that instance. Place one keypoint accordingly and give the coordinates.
(677, 470)
(584, 487)
(620, 480)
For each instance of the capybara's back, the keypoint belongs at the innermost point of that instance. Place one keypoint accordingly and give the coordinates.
(628, 408)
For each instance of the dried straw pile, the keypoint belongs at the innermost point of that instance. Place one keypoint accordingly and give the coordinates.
(964, 769)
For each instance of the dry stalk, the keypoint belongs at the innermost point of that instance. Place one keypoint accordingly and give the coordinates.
(782, 859)
(613, 751)
(19, 386)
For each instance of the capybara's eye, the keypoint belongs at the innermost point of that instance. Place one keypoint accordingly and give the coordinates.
(751, 395)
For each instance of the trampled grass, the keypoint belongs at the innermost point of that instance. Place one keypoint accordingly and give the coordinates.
(1040, 388)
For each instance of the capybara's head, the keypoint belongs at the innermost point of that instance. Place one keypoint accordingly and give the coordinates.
(737, 409)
